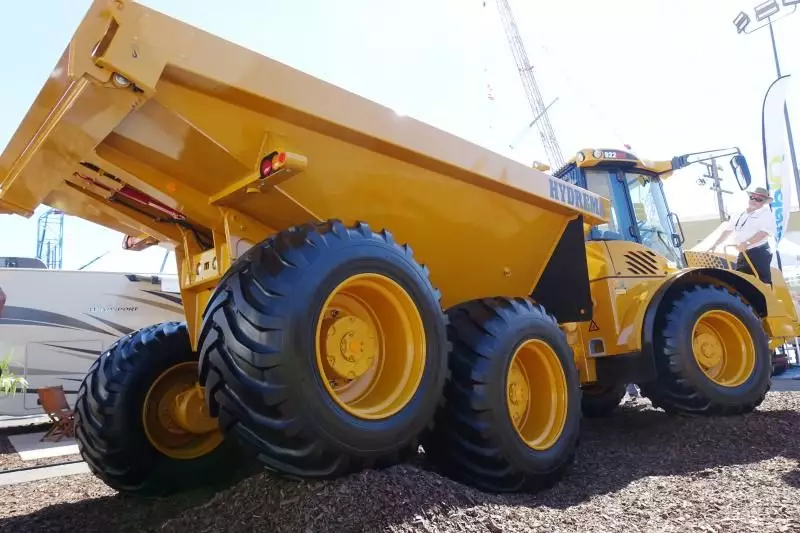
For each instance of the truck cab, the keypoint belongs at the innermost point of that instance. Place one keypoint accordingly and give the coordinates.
(639, 209)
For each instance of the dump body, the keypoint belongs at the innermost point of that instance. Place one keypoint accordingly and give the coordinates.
(142, 106)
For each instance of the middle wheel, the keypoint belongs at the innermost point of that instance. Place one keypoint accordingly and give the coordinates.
(511, 418)
(324, 349)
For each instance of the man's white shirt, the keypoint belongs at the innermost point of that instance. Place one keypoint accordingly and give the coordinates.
(746, 225)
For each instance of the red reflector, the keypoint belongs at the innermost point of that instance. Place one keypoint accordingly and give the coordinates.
(266, 167)
(278, 160)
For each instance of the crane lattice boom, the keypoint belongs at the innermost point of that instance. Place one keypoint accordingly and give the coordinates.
(546, 132)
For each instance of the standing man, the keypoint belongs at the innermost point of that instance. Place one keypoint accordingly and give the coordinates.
(751, 232)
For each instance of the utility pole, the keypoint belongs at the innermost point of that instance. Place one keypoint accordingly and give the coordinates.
(712, 173)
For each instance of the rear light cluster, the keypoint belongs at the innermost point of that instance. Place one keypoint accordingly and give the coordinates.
(272, 163)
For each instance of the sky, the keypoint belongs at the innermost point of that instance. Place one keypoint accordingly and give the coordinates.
(665, 76)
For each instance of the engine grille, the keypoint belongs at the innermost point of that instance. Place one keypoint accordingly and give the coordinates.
(642, 263)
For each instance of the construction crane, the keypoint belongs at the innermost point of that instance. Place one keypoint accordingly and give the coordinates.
(50, 238)
(551, 147)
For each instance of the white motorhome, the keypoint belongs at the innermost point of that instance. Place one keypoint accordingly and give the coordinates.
(55, 323)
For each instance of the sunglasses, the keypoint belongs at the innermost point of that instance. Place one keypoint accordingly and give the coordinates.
(758, 199)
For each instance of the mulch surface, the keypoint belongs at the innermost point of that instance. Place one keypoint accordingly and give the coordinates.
(639, 470)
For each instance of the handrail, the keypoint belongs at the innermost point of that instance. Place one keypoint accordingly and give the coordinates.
(746, 257)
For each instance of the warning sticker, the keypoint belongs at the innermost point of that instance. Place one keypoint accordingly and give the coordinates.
(593, 326)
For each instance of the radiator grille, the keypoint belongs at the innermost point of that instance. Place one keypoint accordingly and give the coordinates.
(642, 263)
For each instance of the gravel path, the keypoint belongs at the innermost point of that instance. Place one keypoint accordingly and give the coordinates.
(637, 471)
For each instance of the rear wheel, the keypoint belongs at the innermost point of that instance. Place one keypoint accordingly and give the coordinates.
(712, 354)
(511, 417)
(140, 421)
(601, 400)
(324, 350)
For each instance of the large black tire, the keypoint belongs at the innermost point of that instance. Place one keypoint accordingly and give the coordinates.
(601, 400)
(681, 385)
(108, 418)
(258, 355)
(474, 438)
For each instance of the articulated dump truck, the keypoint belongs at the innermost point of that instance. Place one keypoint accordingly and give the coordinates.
(355, 284)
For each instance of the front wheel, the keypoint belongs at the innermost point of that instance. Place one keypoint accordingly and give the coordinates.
(712, 354)
(511, 417)
(125, 424)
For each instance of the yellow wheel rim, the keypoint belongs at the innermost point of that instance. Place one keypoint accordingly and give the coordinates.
(370, 346)
(723, 348)
(160, 424)
(536, 394)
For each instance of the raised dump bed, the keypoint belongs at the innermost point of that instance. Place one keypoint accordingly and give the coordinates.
(143, 108)
(355, 283)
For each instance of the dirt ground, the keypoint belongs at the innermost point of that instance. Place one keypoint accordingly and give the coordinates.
(639, 470)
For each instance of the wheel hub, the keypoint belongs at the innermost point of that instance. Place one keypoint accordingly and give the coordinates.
(190, 413)
(350, 347)
(517, 393)
(370, 346)
(175, 417)
(708, 349)
(536, 394)
(723, 348)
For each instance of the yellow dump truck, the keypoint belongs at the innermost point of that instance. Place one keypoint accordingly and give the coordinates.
(355, 283)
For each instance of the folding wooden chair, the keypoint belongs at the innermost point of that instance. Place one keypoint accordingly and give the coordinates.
(54, 403)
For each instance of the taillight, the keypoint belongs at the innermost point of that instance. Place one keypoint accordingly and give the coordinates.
(266, 167)
(286, 163)
(272, 163)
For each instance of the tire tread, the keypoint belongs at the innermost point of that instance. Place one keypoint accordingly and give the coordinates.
(112, 444)
(246, 370)
(672, 391)
(465, 440)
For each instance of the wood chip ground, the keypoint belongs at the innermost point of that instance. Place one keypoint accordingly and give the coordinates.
(637, 471)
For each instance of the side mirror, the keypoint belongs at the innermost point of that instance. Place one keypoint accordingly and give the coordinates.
(741, 171)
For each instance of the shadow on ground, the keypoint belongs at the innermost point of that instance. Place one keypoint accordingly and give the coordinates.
(106, 514)
(634, 443)
(638, 442)
(115, 513)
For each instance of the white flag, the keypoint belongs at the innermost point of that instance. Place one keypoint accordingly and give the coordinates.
(777, 161)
